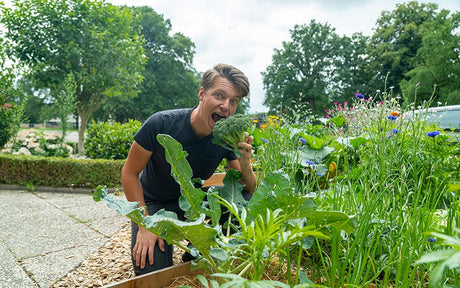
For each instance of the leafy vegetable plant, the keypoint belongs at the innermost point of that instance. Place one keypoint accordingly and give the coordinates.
(273, 221)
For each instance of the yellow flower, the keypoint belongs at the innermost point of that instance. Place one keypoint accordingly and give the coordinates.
(255, 121)
(332, 167)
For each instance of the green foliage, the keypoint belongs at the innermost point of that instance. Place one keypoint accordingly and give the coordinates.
(96, 41)
(438, 66)
(445, 258)
(312, 68)
(110, 140)
(229, 131)
(261, 232)
(59, 172)
(10, 120)
(394, 46)
(39, 143)
(170, 81)
(66, 102)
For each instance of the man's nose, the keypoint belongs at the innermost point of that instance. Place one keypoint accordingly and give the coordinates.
(225, 104)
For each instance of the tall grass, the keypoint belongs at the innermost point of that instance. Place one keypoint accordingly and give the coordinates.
(391, 175)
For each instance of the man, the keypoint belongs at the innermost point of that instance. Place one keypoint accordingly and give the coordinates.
(222, 88)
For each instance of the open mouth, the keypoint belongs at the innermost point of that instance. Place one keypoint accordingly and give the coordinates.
(216, 117)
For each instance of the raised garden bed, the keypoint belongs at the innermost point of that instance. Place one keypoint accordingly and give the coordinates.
(158, 279)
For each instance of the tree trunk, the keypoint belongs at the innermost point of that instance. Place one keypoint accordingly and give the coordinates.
(81, 132)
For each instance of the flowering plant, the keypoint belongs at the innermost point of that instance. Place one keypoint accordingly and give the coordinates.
(359, 116)
(40, 143)
(10, 115)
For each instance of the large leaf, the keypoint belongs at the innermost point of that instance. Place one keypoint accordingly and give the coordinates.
(275, 192)
(232, 189)
(182, 173)
(164, 223)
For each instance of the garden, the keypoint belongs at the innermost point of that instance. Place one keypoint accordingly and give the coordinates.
(365, 199)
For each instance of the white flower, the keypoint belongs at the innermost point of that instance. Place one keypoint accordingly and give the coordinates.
(24, 151)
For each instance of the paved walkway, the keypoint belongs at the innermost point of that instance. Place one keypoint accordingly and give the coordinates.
(44, 235)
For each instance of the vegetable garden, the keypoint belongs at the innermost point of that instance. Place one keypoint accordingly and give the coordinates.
(366, 200)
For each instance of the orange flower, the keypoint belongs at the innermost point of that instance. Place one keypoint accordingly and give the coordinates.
(263, 126)
(394, 113)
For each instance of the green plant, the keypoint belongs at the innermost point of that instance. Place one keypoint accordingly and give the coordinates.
(229, 131)
(269, 224)
(38, 143)
(110, 140)
(10, 119)
(444, 258)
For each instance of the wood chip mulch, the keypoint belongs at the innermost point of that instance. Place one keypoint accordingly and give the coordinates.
(108, 265)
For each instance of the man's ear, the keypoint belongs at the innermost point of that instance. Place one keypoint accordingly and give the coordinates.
(201, 94)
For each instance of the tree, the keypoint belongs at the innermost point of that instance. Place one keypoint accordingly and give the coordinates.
(438, 72)
(170, 81)
(394, 46)
(96, 41)
(66, 103)
(308, 68)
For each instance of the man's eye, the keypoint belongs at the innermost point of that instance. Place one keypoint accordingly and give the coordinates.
(218, 95)
(234, 101)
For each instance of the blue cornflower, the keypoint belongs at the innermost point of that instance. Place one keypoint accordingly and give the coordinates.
(432, 239)
(359, 95)
(395, 131)
(309, 162)
(432, 134)
(302, 140)
(265, 140)
(391, 117)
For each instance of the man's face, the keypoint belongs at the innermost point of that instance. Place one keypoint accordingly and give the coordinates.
(219, 101)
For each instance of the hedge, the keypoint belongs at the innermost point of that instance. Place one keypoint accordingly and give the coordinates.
(59, 172)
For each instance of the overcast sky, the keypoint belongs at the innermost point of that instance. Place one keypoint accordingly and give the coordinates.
(245, 32)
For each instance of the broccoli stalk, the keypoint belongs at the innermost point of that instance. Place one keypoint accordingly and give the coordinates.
(229, 131)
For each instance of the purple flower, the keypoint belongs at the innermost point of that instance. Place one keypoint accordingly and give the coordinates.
(310, 162)
(359, 95)
(265, 140)
(432, 239)
(432, 134)
(302, 140)
(391, 117)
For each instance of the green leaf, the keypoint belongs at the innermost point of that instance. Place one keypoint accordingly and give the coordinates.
(218, 254)
(182, 173)
(166, 225)
(215, 210)
(314, 142)
(232, 188)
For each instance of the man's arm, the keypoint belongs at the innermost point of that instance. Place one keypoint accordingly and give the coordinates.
(145, 240)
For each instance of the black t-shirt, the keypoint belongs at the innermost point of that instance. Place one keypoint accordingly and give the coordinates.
(203, 155)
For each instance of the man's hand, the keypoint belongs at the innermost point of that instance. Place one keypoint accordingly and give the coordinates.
(246, 151)
(145, 244)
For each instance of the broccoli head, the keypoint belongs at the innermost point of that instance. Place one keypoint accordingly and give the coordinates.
(229, 131)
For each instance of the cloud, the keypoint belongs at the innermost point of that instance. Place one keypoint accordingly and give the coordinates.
(244, 33)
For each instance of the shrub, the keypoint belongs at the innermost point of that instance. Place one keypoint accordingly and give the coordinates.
(110, 140)
(10, 115)
(38, 143)
(59, 172)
